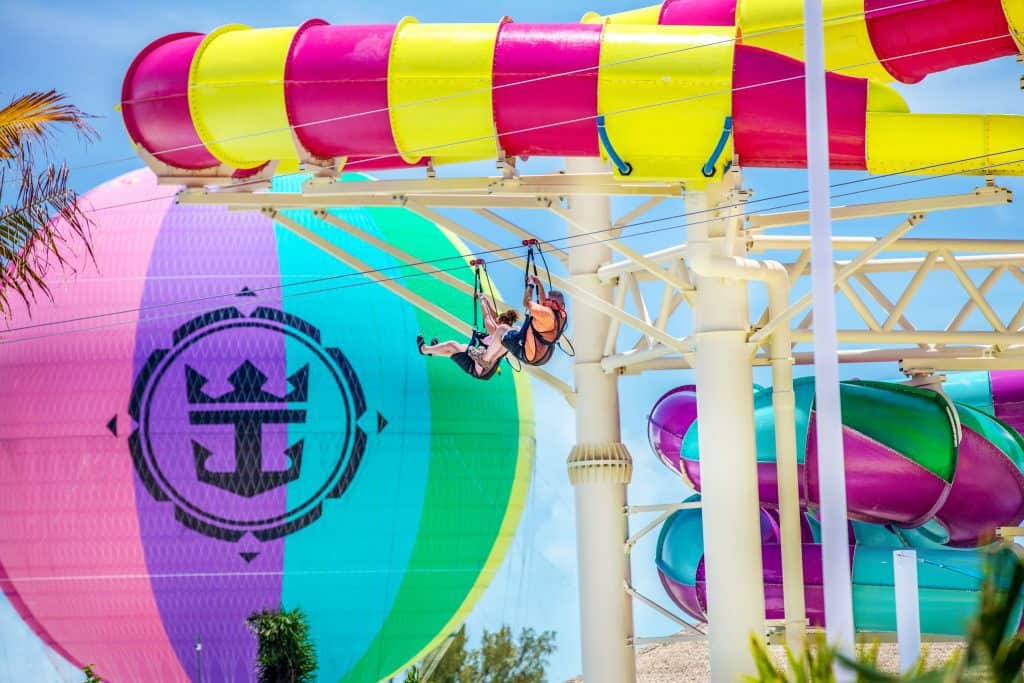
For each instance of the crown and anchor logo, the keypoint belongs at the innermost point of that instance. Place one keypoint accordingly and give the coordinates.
(225, 457)
(248, 408)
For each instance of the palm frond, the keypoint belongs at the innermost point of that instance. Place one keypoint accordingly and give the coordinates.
(29, 120)
(39, 229)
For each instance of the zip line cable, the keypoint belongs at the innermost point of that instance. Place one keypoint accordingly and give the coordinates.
(456, 268)
(567, 238)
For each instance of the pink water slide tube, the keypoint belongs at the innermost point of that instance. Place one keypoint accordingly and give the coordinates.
(659, 89)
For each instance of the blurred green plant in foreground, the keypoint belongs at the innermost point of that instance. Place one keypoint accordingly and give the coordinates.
(993, 651)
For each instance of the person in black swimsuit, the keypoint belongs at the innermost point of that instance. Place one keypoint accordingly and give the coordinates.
(474, 358)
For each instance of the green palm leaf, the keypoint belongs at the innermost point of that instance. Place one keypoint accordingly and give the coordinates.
(42, 223)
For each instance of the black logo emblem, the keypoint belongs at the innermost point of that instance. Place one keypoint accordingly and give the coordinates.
(248, 478)
(235, 439)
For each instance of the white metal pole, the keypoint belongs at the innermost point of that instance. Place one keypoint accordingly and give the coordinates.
(831, 468)
(728, 458)
(600, 467)
(790, 513)
(908, 608)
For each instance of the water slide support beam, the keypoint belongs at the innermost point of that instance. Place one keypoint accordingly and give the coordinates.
(637, 595)
(405, 257)
(599, 465)
(728, 453)
(557, 253)
(983, 196)
(776, 278)
(774, 275)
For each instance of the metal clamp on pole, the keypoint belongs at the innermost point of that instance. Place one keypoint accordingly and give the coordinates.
(709, 167)
(624, 167)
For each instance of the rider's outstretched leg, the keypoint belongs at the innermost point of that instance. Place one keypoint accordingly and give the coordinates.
(448, 348)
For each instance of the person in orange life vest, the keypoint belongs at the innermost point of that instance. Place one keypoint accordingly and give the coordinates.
(534, 342)
(479, 359)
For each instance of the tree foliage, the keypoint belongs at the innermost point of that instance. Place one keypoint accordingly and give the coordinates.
(453, 661)
(501, 658)
(285, 652)
(41, 221)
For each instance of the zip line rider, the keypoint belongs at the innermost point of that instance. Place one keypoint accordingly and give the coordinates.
(479, 358)
(532, 343)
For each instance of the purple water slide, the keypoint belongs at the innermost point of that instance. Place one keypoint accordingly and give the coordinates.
(898, 475)
(970, 491)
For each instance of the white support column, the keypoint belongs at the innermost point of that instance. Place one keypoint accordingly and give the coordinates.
(835, 542)
(600, 467)
(908, 608)
(728, 457)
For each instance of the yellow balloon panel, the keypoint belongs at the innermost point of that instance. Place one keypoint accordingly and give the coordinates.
(236, 95)
(778, 25)
(924, 144)
(439, 91)
(665, 93)
(1014, 10)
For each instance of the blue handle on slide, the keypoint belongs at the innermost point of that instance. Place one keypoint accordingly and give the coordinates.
(709, 167)
(602, 133)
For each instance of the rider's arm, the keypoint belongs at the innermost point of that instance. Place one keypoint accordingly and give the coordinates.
(527, 296)
(490, 315)
(540, 288)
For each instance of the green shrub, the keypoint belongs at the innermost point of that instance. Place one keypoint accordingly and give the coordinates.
(285, 651)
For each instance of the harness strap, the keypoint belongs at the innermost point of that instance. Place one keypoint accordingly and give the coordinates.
(480, 275)
(559, 329)
(477, 290)
(531, 264)
(547, 271)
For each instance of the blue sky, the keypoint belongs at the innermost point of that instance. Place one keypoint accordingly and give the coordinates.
(83, 50)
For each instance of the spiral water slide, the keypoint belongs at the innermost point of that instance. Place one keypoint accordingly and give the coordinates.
(654, 89)
(938, 472)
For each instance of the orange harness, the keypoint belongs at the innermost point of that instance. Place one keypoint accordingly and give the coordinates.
(515, 340)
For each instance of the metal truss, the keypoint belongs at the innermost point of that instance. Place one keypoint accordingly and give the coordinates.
(688, 631)
(652, 291)
(892, 300)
